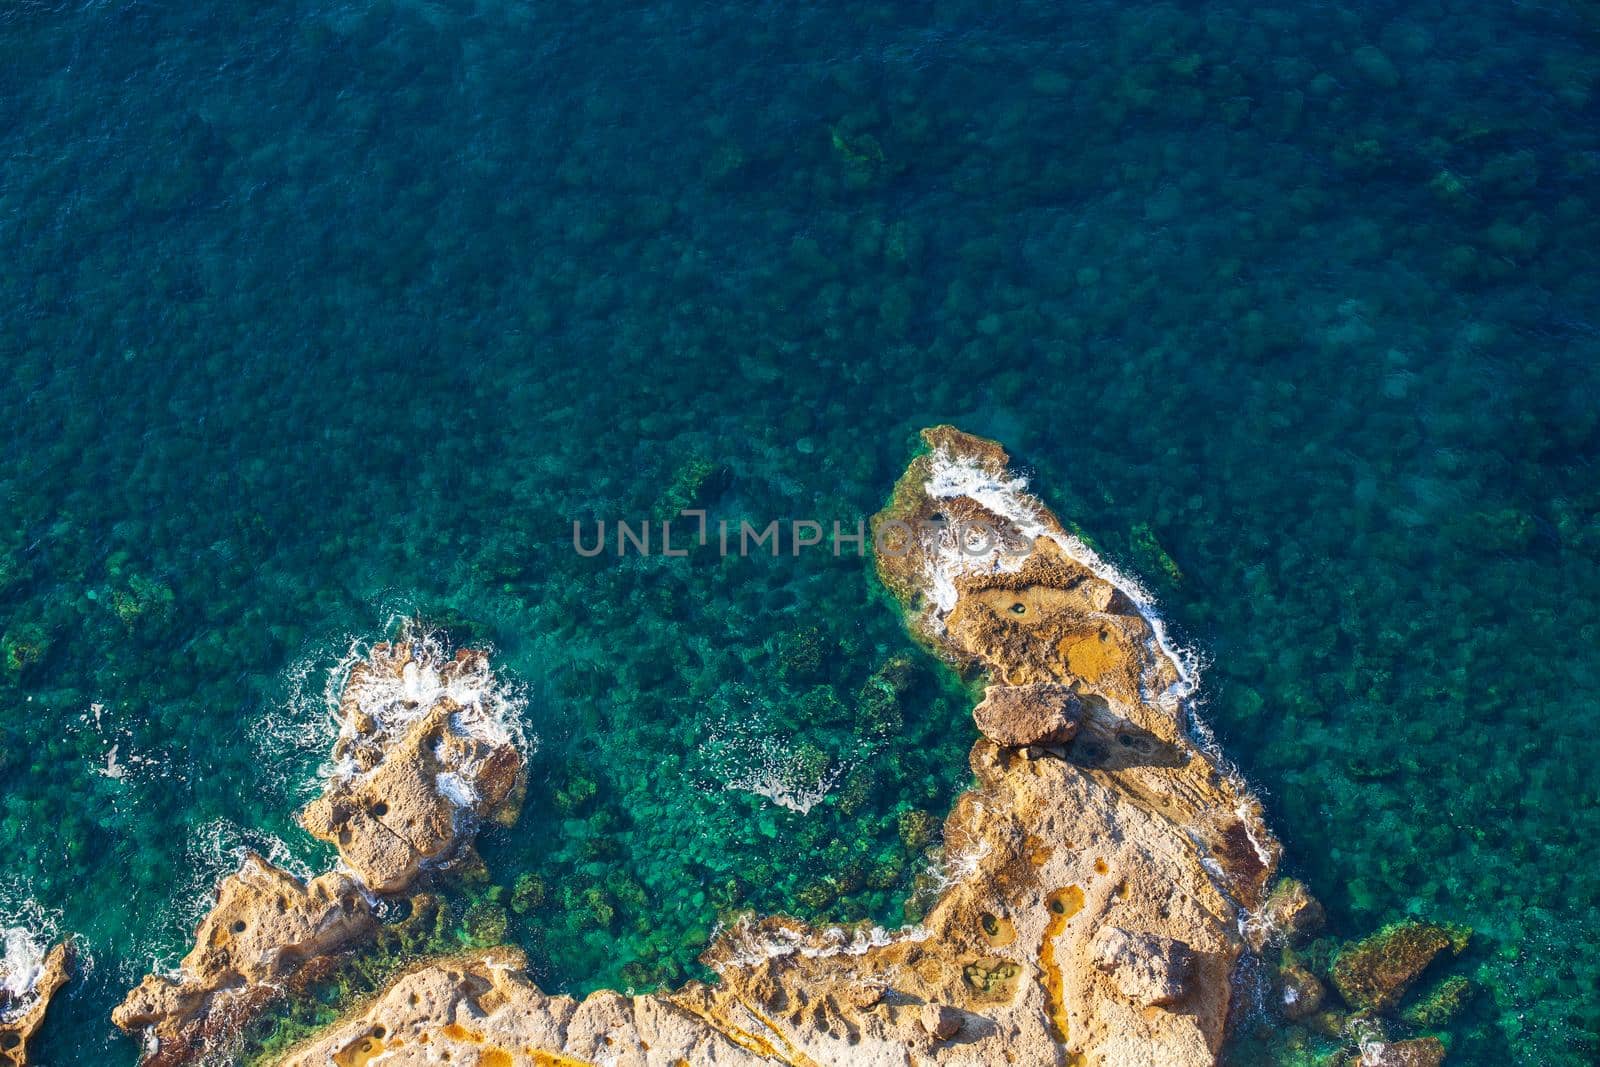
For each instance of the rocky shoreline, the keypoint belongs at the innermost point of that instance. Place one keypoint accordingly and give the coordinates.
(1108, 900)
(421, 761)
(24, 1000)
(1099, 873)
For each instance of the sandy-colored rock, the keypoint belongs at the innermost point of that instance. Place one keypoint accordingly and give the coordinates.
(1013, 716)
(419, 770)
(266, 932)
(1149, 969)
(1130, 824)
(20, 1017)
(941, 1021)
(426, 752)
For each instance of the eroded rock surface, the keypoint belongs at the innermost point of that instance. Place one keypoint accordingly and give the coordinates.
(24, 1000)
(422, 759)
(1130, 825)
(426, 751)
(265, 931)
(1149, 969)
(1013, 716)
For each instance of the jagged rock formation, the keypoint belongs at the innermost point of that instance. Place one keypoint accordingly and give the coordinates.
(21, 1015)
(425, 752)
(266, 930)
(416, 775)
(1015, 716)
(1121, 821)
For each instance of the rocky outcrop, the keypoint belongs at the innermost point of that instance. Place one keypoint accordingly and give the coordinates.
(23, 1004)
(265, 932)
(418, 769)
(1149, 969)
(1014, 716)
(1123, 823)
(1291, 914)
(426, 751)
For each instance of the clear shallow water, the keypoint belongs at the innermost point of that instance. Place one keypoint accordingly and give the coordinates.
(316, 313)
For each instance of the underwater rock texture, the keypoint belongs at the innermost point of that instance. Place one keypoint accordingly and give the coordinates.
(1131, 825)
(1376, 972)
(21, 1016)
(422, 757)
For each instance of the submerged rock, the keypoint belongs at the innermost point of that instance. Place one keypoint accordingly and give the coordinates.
(1297, 992)
(1041, 856)
(24, 1000)
(1014, 716)
(1418, 1052)
(1375, 973)
(1440, 1005)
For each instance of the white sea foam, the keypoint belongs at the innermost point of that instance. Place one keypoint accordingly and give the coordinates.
(489, 709)
(21, 964)
(27, 932)
(746, 752)
(749, 944)
(775, 770)
(952, 476)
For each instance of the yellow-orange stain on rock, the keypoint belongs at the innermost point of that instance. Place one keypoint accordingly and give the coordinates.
(1089, 656)
(1063, 905)
(541, 1058)
(363, 1051)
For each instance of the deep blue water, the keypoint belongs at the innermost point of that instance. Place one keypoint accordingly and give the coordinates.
(315, 313)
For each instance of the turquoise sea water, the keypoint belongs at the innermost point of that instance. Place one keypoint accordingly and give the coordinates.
(316, 314)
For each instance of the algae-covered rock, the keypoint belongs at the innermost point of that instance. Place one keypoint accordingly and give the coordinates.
(1376, 972)
(1438, 1006)
(695, 485)
(1291, 912)
(1297, 992)
(528, 894)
